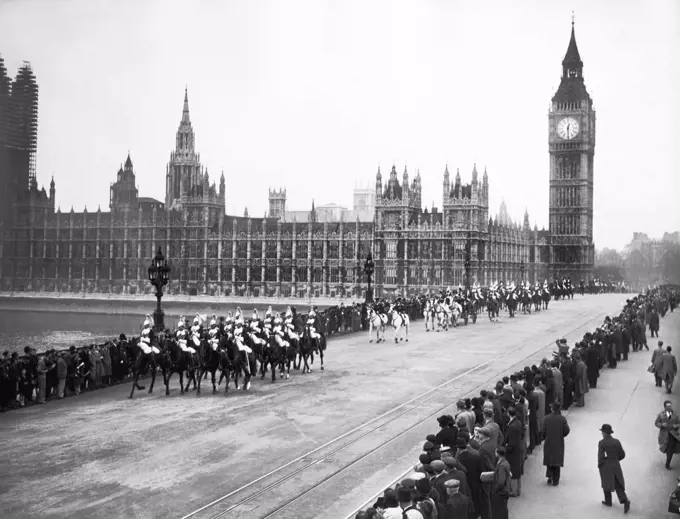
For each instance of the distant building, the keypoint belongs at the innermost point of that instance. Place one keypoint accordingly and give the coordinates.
(18, 138)
(315, 252)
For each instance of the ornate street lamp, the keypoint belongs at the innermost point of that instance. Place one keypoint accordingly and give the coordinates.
(522, 269)
(159, 275)
(369, 268)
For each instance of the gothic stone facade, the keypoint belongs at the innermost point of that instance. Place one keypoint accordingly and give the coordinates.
(214, 253)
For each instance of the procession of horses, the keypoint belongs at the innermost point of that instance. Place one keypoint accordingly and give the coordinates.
(239, 346)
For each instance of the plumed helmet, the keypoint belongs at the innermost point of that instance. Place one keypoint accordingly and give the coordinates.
(213, 323)
(180, 324)
(147, 323)
(255, 314)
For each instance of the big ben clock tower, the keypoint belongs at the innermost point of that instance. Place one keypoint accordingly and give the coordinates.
(572, 151)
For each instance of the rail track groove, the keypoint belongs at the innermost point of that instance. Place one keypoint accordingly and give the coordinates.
(301, 477)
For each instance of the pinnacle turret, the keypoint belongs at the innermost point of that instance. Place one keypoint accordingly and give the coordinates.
(185, 109)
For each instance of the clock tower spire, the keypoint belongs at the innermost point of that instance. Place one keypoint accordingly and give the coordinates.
(571, 145)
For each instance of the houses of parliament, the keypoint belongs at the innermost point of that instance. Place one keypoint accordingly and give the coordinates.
(313, 253)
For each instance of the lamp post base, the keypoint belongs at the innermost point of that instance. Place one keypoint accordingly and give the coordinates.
(159, 321)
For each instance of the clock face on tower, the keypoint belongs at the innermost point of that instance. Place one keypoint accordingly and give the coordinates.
(568, 128)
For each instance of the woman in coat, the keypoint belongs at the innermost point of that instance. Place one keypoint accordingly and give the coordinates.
(555, 429)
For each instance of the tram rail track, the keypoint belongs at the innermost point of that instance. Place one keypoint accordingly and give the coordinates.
(345, 452)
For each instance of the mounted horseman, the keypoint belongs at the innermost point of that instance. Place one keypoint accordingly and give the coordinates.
(376, 322)
(511, 299)
(314, 332)
(235, 354)
(256, 338)
(525, 296)
(546, 296)
(292, 337)
(277, 348)
(208, 358)
(400, 322)
(179, 358)
(475, 301)
(429, 313)
(493, 302)
(147, 357)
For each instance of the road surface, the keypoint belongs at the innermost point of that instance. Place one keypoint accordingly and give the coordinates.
(323, 441)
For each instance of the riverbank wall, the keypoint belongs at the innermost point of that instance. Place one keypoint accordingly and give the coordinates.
(121, 304)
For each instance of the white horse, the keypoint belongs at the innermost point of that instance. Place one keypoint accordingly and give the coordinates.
(456, 310)
(399, 322)
(376, 321)
(429, 314)
(442, 313)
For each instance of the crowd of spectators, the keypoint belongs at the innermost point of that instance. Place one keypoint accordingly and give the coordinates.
(474, 464)
(33, 378)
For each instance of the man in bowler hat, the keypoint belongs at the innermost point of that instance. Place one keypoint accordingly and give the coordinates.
(609, 455)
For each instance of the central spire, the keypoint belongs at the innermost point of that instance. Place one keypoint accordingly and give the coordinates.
(572, 64)
(185, 109)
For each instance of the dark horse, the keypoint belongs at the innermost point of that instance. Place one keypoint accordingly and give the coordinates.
(142, 363)
(318, 345)
(233, 361)
(492, 308)
(178, 361)
(546, 299)
(208, 361)
(274, 356)
(306, 351)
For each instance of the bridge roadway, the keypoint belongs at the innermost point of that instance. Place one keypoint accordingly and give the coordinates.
(324, 442)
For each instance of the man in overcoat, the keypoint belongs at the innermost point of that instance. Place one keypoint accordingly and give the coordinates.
(625, 340)
(555, 430)
(668, 424)
(567, 370)
(654, 323)
(669, 368)
(609, 455)
(534, 431)
(656, 363)
(514, 452)
(559, 382)
(474, 465)
(593, 364)
(580, 380)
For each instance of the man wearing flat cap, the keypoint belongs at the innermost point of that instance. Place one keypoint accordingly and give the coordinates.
(457, 505)
(609, 455)
(455, 470)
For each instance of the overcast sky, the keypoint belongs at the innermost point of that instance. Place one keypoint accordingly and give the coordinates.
(314, 95)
